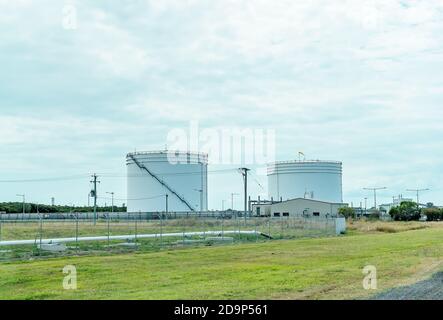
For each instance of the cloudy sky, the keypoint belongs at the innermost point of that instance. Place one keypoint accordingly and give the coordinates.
(84, 82)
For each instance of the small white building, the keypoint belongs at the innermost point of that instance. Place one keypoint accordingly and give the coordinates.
(297, 207)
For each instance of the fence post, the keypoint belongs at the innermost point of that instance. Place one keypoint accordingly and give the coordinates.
(204, 225)
(238, 224)
(76, 231)
(223, 225)
(256, 234)
(136, 221)
(41, 231)
(161, 231)
(109, 231)
(184, 229)
(269, 227)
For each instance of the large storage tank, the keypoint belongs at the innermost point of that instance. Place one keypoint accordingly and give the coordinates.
(319, 180)
(183, 176)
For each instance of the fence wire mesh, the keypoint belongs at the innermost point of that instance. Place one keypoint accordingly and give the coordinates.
(43, 236)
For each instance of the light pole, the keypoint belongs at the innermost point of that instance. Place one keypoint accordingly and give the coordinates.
(418, 194)
(109, 218)
(244, 172)
(375, 194)
(23, 196)
(112, 199)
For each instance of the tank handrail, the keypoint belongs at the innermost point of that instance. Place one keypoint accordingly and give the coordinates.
(140, 153)
(304, 161)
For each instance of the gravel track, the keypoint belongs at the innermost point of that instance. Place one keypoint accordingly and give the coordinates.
(430, 289)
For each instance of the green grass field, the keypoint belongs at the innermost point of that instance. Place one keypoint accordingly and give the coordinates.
(321, 268)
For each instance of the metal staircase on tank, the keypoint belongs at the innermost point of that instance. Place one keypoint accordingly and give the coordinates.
(143, 167)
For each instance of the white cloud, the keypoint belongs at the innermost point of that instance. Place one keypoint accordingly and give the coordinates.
(348, 80)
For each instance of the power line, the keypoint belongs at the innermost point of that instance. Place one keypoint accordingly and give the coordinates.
(111, 175)
(74, 177)
(133, 199)
(256, 181)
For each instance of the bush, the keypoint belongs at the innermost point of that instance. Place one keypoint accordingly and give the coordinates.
(433, 214)
(407, 211)
(347, 212)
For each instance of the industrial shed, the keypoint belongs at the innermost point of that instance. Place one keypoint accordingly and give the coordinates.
(297, 207)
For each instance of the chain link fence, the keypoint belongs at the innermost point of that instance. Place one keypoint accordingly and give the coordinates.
(41, 236)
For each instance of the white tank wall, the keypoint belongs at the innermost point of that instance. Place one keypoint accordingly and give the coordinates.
(185, 177)
(293, 179)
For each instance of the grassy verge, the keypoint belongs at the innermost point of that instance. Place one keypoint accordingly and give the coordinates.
(285, 269)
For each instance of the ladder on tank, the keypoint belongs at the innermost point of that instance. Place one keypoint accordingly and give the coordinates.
(143, 167)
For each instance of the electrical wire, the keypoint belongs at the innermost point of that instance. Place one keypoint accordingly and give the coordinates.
(136, 199)
(120, 175)
(256, 180)
(74, 177)
(116, 175)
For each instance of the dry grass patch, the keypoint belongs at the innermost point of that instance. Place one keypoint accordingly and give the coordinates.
(365, 226)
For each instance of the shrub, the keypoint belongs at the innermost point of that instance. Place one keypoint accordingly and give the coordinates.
(433, 214)
(347, 212)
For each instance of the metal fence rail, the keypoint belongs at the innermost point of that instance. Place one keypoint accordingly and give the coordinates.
(46, 237)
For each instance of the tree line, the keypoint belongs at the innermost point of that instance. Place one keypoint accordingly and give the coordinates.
(17, 207)
(409, 211)
(406, 211)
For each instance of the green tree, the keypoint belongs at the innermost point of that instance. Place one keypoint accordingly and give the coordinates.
(407, 211)
(433, 214)
(347, 212)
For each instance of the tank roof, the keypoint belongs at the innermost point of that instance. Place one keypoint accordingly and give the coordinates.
(139, 153)
(304, 161)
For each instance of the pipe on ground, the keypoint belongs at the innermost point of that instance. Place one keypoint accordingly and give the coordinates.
(123, 237)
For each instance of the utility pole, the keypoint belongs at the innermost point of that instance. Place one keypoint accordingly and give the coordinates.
(94, 194)
(167, 204)
(375, 194)
(418, 194)
(223, 205)
(244, 172)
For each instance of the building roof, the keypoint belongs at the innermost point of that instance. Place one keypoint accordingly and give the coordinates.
(295, 199)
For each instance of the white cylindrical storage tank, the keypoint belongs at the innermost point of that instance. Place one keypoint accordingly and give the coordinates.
(183, 176)
(318, 180)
